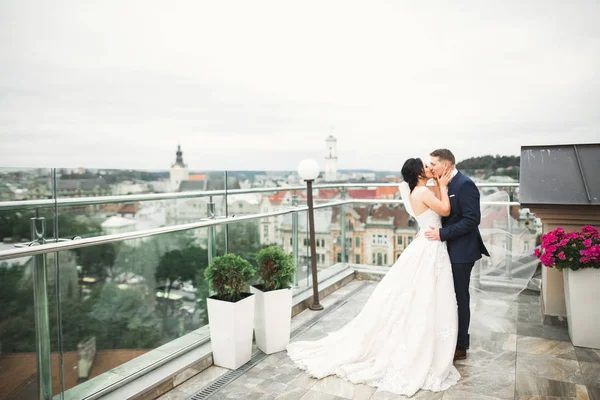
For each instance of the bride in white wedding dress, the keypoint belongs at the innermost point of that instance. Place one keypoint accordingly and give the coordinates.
(404, 338)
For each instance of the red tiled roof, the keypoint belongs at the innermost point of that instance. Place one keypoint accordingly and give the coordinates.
(197, 178)
(18, 371)
(278, 197)
(386, 191)
(363, 213)
(327, 194)
(110, 208)
(362, 193)
(130, 208)
(399, 214)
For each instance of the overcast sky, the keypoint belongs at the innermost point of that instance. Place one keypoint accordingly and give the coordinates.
(257, 85)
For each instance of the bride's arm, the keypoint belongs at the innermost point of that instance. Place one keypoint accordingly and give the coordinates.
(441, 205)
(435, 190)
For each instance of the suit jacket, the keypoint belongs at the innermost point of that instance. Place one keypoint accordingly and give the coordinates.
(460, 230)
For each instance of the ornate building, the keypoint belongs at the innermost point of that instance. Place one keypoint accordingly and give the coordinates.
(331, 159)
(179, 171)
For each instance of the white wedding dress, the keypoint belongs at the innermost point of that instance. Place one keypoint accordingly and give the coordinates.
(404, 338)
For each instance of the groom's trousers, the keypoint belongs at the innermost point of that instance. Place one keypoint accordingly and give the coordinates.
(462, 277)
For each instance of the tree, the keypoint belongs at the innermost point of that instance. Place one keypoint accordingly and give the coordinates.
(125, 319)
(17, 225)
(98, 261)
(244, 241)
(180, 265)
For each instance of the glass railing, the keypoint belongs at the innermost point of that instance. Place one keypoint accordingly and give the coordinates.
(113, 291)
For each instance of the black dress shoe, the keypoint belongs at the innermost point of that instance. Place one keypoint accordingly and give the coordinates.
(460, 355)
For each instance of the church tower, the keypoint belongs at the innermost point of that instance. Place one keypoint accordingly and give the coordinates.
(179, 171)
(331, 159)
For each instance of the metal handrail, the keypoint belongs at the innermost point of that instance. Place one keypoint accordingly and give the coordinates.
(120, 237)
(95, 200)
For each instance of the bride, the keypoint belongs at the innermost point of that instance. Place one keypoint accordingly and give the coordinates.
(404, 338)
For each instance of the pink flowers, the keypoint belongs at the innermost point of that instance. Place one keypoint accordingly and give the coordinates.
(573, 250)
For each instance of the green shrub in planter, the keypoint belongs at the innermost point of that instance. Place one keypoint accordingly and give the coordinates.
(228, 275)
(276, 269)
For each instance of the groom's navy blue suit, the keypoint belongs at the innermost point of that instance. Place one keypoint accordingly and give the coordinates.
(460, 231)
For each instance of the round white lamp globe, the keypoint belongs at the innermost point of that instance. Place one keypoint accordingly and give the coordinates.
(308, 170)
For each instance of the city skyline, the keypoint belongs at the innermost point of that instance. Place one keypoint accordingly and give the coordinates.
(251, 87)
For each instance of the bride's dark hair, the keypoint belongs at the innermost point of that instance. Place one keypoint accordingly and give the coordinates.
(411, 171)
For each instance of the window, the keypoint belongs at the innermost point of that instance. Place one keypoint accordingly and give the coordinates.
(266, 231)
(379, 258)
(240, 205)
(526, 246)
(374, 239)
(357, 259)
(305, 241)
(374, 259)
(319, 243)
(410, 239)
(322, 242)
(382, 239)
(339, 257)
(291, 242)
(399, 240)
(385, 259)
(357, 242)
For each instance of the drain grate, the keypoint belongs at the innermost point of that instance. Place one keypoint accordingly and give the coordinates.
(228, 377)
(258, 356)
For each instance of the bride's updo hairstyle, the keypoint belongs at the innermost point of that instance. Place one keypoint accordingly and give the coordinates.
(411, 171)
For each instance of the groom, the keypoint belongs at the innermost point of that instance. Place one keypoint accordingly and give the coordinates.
(461, 233)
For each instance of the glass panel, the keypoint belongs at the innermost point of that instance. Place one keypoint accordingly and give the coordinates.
(304, 265)
(510, 235)
(123, 299)
(18, 341)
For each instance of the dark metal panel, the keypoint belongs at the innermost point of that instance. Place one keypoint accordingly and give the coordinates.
(562, 175)
(590, 162)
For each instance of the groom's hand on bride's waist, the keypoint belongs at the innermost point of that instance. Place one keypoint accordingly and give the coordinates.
(432, 233)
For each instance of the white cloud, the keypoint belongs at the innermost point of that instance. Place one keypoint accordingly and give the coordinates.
(254, 85)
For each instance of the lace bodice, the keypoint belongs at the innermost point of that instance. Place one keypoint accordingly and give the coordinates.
(429, 218)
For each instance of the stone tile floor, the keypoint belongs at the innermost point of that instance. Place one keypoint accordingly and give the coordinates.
(513, 355)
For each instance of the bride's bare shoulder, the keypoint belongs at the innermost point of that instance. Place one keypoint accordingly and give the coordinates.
(419, 191)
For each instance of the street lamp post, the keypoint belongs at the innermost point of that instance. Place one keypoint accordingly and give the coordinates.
(309, 171)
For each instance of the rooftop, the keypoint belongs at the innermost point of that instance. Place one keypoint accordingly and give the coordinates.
(513, 355)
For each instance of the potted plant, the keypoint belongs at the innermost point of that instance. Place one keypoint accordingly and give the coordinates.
(577, 254)
(273, 318)
(230, 310)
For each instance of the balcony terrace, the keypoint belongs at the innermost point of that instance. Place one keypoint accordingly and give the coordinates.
(79, 341)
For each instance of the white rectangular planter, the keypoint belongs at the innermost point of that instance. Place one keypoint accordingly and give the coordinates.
(273, 319)
(582, 289)
(231, 326)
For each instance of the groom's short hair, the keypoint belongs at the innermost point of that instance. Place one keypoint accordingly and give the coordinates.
(444, 155)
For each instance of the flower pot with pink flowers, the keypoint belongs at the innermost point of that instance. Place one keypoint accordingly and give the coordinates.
(577, 254)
